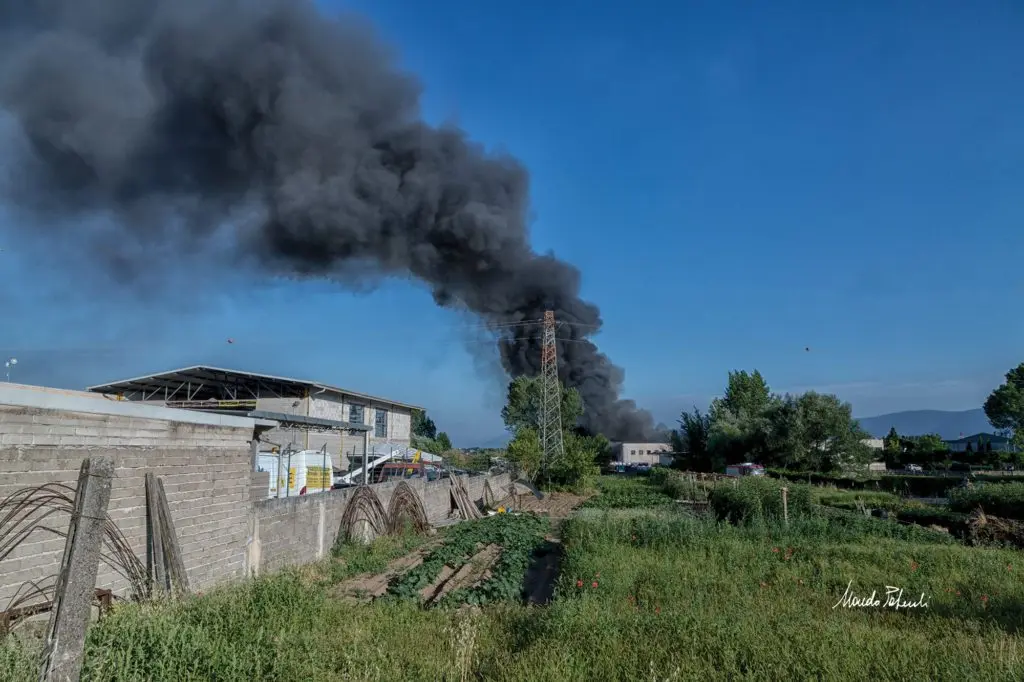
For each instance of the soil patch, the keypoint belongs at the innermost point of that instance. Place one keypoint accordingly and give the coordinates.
(539, 583)
(369, 586)
(470, 574)
(555, 505)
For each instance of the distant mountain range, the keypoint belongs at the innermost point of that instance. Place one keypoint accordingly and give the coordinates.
(949, 425)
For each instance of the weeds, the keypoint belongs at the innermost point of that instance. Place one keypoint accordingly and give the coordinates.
(628, 493)
(754, 600)
(998, 499)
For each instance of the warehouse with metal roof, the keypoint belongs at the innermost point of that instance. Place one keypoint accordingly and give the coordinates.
(311, 414)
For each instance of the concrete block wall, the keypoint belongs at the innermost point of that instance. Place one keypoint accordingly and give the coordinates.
(299, 530)
(227, 530)
(202, 459)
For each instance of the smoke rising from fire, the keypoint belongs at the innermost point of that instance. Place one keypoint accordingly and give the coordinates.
(294, 137)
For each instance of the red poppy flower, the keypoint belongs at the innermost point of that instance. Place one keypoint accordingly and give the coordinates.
(579, 583)
(593, 584)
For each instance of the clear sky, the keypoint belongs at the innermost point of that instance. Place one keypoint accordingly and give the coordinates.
(735, 185)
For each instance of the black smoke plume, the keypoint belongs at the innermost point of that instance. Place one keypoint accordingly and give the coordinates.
(295, 135)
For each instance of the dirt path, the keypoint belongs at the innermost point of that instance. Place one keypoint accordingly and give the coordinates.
(470, 574)
(555, 505)
(369, 586)
(539, 584)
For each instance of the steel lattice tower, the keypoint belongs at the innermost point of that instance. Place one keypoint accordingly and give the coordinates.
(551, 400)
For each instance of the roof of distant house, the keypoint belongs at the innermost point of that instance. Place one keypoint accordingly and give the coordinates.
(988, 437)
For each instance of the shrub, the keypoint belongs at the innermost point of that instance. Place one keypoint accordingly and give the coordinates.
(927, 515)
(627, 493)
(756, 500)
(849, 499)
(998, 499)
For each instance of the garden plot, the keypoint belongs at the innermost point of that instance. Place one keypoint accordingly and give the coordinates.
(369, 586)
(553, 505)
(476, 562)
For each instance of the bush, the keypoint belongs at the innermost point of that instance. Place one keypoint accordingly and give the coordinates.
(849, 499)
(928, 515)
(756, 500)
(998, 499)
(814, 478)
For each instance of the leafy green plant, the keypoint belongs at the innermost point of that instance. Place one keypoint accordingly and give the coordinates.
(519, 543)
(517, 534)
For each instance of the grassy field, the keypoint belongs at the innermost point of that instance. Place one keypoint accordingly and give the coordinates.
(645, 593)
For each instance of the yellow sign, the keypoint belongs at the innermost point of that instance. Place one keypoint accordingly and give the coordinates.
(291, 478)
(318, 477)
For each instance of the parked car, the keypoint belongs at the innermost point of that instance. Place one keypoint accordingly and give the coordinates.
(914, 468)
(745, 469)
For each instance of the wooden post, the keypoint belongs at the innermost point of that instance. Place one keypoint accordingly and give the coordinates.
(76, 581)
(157, 564)
(785, 504)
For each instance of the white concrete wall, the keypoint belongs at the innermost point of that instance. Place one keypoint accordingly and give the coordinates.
(399, 429)
(642, 453)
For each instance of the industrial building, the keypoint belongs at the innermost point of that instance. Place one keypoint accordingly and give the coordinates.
(311, 414)
(655, 454)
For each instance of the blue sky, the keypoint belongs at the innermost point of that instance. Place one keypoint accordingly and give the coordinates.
(735, 185)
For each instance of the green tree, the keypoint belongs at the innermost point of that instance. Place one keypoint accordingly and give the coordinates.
(931, 442)
(1005, 405)
(422, 425)
(891, 443)
(690, 440)
(746, 395)
(581, 463)
(830, 429)
(524, 451)
(524, 400)
(443, 443)
(738, 420)
(522, 415)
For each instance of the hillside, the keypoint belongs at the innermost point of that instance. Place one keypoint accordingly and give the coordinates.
(949, 425)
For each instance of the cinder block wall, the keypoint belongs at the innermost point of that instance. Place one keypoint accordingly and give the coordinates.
(298, 530)
(225, 527)
(204, 467)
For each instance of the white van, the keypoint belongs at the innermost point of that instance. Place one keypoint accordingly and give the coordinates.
(309, 471)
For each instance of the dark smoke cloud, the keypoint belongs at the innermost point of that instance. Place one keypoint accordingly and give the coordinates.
(295, 139)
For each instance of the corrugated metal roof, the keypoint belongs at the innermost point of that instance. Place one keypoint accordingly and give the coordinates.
(233, 376)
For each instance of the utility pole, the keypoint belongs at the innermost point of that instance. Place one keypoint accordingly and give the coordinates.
(551, 400)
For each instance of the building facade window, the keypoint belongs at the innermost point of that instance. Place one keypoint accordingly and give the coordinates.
(355, 414)
(380, 424)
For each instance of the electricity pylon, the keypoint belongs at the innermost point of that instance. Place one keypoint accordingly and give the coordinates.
(551, 398)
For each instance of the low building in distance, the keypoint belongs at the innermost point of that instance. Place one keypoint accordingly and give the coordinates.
(655, 454)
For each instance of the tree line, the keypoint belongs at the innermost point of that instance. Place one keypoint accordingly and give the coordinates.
(806, 432)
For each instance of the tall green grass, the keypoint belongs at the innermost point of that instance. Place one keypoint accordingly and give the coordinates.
(758, 604)
(755, 500)
(998, 499)
(656, 596)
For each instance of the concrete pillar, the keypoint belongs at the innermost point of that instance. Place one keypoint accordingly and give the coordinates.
(76, 582)
(253, 550)
(321, 526)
